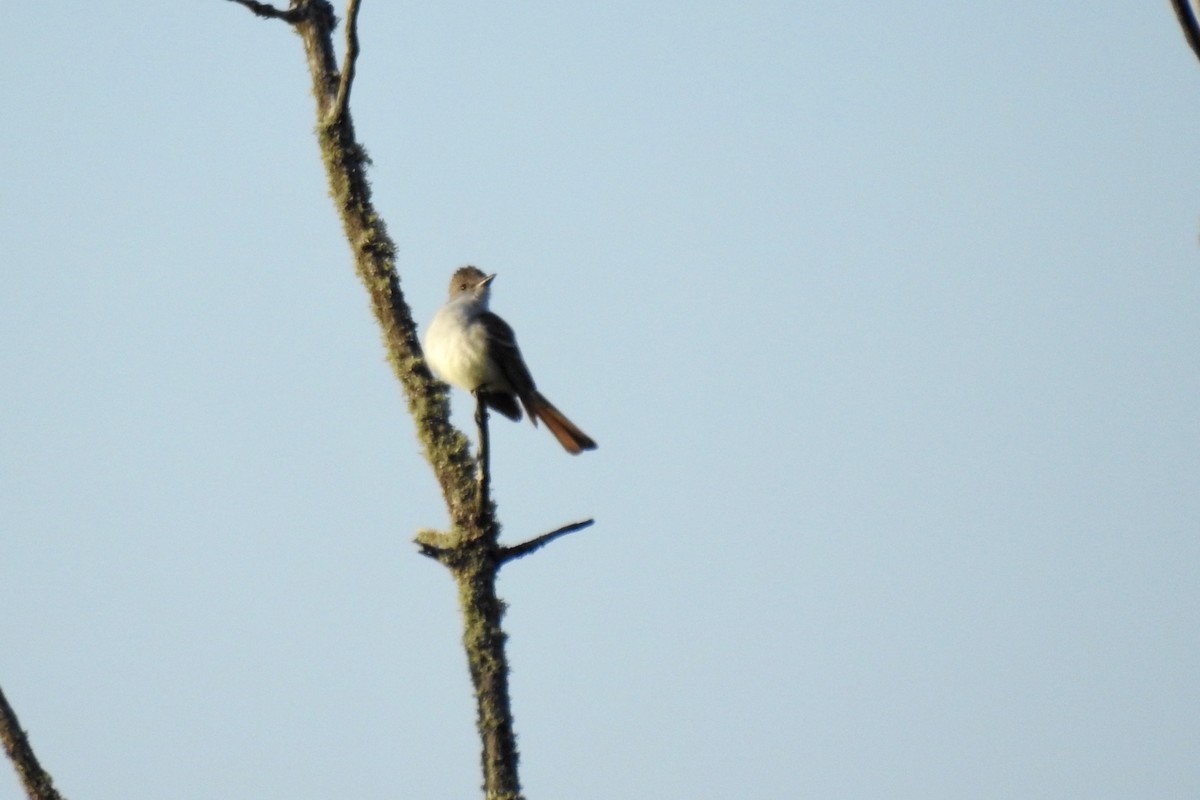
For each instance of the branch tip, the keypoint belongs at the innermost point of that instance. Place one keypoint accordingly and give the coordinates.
(1187, 20)
(507, 554)
(268, 11)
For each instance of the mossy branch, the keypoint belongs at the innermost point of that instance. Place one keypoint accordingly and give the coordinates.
(471, 548)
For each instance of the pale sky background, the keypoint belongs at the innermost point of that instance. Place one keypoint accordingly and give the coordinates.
(885, 317)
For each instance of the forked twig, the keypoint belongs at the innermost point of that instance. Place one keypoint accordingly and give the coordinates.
(347, 79)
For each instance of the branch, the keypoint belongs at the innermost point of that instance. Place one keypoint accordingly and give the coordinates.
(268, 11)
(374, 253)
(470, 548)
(436, 544)
(525, 548)
(1187, 20)
(485, 456)
(35, 779)
(342, 103)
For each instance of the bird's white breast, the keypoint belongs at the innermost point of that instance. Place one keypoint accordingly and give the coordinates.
(456, 348)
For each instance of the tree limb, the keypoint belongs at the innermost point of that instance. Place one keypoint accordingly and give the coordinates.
(470, 549)
(525, 548)
(1187, 20)
(36, 780)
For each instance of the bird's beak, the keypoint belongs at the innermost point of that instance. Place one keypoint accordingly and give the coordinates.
(486, 281)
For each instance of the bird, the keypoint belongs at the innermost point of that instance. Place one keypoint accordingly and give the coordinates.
(472, 348)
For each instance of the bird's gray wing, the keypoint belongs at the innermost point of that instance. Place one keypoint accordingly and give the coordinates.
(502, 347)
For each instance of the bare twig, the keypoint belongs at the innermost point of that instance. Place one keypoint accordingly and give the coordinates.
(485, 455)
(268, 11)
(432, 551)
(525, 548)
(36, 781)
(1186, 15)
(343, 94)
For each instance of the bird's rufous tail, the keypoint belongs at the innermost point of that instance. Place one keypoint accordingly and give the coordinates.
(573, 440)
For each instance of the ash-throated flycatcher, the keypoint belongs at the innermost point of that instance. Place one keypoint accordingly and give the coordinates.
(474, 349)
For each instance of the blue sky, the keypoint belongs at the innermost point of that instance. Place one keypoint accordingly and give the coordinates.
(885, 320)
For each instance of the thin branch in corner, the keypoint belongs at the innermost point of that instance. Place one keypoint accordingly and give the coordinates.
(268, 11)
(525, 548)
(35, 779)
(1187, 20)
(347, 77)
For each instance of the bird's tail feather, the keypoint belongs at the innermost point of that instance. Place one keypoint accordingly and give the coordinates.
(573, 440)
